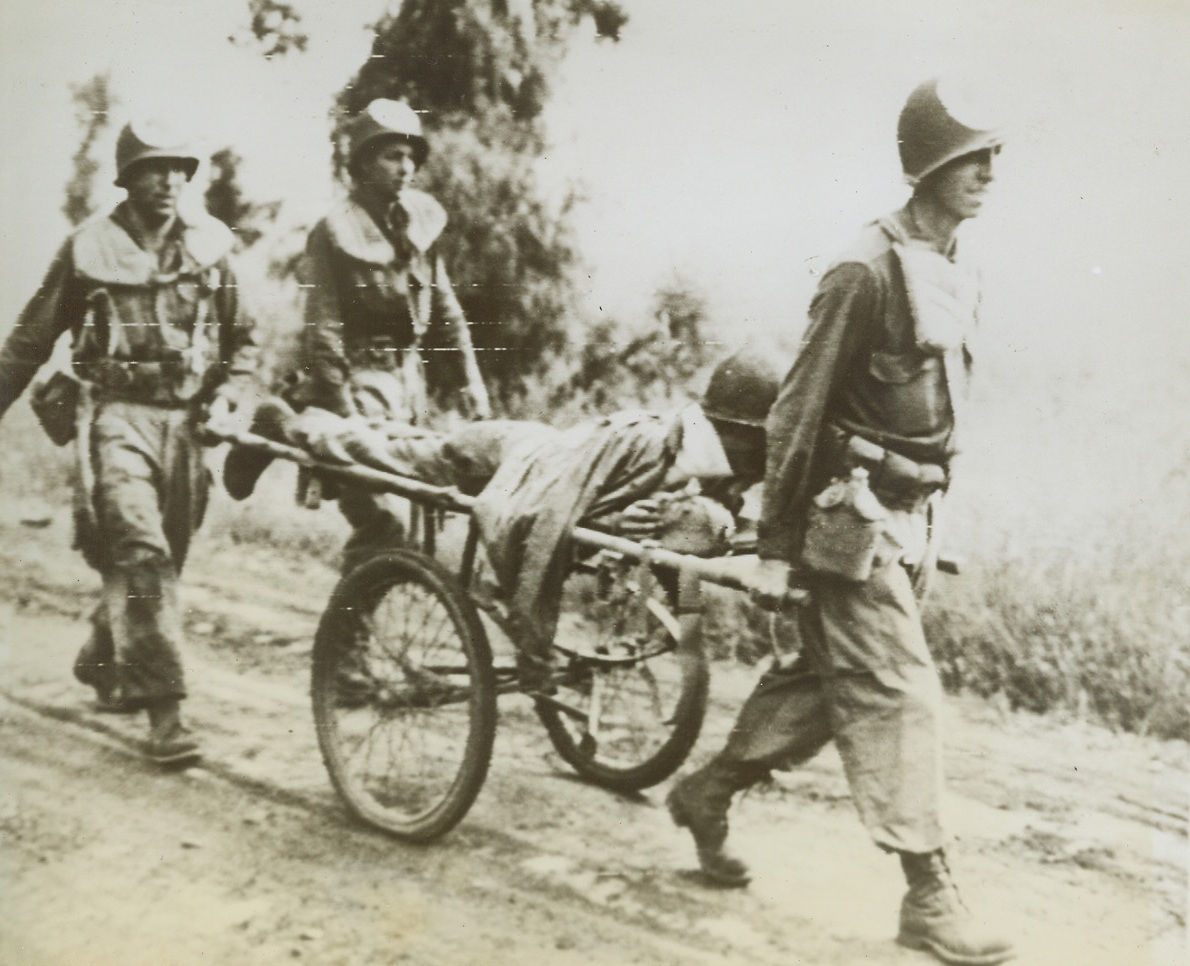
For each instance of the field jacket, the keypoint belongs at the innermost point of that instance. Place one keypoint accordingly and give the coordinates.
(163, 329)
(885, 358)
(544, 489)
(372, 295)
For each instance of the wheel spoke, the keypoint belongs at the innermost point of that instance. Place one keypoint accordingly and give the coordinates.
(640, 702)
(408, 747)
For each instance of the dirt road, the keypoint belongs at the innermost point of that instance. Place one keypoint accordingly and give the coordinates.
(1073, 837)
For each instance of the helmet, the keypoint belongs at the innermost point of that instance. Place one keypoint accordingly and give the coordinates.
(144, 139)
(743, 388)
(384, 119)
(938, 124)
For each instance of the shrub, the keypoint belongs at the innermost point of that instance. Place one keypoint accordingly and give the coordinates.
(1103, 639)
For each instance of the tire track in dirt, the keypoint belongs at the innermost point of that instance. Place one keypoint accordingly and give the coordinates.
(1035, 800)
(220, 872)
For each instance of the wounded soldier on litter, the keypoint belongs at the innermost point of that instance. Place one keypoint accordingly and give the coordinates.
(534, 483)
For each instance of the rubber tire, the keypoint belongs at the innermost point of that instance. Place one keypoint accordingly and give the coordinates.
(363, 589)
(688, 716)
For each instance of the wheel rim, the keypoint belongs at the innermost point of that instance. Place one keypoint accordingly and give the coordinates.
(401, 708)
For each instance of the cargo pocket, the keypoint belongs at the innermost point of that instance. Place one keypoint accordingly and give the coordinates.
(912, 388)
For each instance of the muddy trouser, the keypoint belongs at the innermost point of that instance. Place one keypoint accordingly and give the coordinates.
(150, 494)
(865, 678)
(376, 519)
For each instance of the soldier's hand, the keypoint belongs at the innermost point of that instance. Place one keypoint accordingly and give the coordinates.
(640, 520)
(226, 417)
(478, 406)
(769, 582)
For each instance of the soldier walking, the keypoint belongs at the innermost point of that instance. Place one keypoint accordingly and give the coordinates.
(860, 443)
(376, 286)
(159, 342)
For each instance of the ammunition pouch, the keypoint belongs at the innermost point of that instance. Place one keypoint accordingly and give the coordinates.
(55, 402)
(165, 382)
(898, 482)
(845, 532)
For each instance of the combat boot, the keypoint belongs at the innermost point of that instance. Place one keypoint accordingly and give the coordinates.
(95, 667)
(170, 742)
(102, 679)
(933, 918)
(243, 465)
(699, 802)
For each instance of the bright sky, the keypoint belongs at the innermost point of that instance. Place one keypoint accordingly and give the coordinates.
(739, 145)
(736, 144)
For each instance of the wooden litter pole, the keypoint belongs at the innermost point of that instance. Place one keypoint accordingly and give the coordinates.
(712, 570)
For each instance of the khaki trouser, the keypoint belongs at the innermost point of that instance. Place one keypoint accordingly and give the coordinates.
(865, 678)
(150, 494)
(379, 395)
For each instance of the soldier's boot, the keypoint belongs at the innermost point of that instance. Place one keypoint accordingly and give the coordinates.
(699, 802)
(933, 917)
(95, 667)
(243, 465)
(170, 742)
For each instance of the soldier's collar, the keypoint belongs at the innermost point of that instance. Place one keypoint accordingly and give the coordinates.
(902, 229)
(699, 453)
(105, 250)
(355, 232)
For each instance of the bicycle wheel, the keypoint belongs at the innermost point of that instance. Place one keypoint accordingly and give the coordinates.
(627, 702)
(404, 695)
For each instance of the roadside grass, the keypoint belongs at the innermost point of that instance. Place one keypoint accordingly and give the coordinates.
(1054, 637)
(1076, 529)
(272, 518)
(1080, 610)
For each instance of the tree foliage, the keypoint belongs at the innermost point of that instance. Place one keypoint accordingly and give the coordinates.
(615, 366)
(225, 200)
(473, 56)
(480, 71)
(274, 28)
(93, 103)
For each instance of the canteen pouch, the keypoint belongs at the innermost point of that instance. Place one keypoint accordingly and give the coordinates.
(845, 530)
(55, 402)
